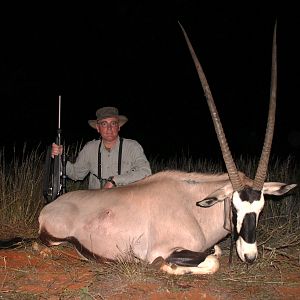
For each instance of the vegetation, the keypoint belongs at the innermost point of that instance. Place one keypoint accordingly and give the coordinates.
(21, 176)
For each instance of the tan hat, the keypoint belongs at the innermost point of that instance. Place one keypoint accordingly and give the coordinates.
(107, 112)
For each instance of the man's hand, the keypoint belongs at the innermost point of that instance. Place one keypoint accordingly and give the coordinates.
(110, 183)
(56, 150)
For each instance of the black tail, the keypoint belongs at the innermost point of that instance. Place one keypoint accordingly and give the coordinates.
(16, 242)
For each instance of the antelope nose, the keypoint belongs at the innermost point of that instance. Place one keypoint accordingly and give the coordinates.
(250, 258)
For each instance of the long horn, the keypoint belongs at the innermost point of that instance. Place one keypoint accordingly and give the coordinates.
(229, 162)
(261, 172)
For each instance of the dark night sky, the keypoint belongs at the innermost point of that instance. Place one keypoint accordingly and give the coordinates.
(133, 56)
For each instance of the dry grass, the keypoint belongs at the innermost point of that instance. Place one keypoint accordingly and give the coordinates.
(20, 185)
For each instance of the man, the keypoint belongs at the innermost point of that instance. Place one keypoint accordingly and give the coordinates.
(111, 160)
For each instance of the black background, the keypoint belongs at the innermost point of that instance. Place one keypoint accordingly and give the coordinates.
(132, 54)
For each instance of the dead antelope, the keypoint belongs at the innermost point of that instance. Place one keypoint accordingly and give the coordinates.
(157, 218)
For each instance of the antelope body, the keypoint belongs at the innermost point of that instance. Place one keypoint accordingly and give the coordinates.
(153, 217)
(171, 218)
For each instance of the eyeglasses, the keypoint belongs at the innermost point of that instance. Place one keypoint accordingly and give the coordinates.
(112, 124)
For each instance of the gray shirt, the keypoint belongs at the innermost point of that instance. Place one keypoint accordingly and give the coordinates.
(134, 165)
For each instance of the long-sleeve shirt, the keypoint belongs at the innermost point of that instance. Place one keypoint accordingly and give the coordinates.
(134, 164)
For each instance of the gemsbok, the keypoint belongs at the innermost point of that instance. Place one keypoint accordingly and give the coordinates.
(170, 219)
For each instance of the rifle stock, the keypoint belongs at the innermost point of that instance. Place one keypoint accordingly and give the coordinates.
(54, 183)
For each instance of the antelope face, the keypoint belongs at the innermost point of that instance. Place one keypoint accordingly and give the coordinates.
(247, 203)
(246, 207)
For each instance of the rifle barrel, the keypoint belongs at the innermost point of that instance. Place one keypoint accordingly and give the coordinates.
(59, 110)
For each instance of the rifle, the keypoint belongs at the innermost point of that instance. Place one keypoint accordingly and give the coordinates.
(54, 181)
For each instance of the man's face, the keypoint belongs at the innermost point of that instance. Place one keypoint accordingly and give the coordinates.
(108, 128)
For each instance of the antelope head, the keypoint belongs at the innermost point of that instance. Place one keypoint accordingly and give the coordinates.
(246, 201)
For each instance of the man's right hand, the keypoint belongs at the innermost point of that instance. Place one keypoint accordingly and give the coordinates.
(56, 150)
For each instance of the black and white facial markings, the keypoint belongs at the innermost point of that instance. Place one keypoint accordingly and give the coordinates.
(247, 205)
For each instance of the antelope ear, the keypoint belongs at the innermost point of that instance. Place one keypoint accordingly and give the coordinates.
(216, 196)
(277, 188)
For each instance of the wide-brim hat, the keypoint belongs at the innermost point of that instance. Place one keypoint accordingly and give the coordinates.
(107, 112)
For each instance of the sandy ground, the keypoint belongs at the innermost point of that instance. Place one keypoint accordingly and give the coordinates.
(35, 272)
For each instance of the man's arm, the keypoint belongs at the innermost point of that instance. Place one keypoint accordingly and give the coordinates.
(139, 166)
(82, 166)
